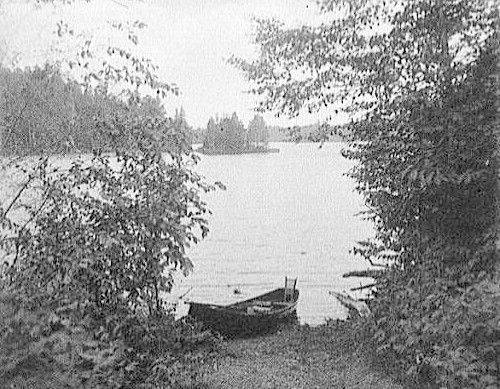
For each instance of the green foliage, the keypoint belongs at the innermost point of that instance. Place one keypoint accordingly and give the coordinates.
(108, 66)
(158, 351)
(366, 55)
(418, 78)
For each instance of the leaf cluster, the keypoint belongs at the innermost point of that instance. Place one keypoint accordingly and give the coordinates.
(49, 345)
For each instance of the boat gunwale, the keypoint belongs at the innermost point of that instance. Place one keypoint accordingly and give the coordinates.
(233, 309)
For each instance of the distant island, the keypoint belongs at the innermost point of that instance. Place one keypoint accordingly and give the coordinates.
(256, 150)
(228, 135)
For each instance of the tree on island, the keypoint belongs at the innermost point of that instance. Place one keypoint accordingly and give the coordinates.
(234, 132)
(258, 134)
(227, 134)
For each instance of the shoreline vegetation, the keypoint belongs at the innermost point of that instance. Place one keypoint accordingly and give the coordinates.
(56, 117)
(87, 252)
(41, 113)
(254, 150)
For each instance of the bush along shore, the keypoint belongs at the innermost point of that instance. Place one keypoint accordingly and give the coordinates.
(88, 250)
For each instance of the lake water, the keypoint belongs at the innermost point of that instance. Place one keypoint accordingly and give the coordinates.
(292, 214)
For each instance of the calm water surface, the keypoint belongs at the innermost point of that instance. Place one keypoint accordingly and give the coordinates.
(286, 214)
(292, 214)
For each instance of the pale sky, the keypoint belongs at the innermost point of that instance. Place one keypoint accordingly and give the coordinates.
(188, 39)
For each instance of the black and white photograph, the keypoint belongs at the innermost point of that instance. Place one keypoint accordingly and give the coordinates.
(247, 194)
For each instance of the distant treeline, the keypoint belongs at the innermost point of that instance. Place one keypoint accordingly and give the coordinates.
(40, 112)
(307, 133)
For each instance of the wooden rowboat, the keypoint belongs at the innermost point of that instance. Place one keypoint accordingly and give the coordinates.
(256, 315)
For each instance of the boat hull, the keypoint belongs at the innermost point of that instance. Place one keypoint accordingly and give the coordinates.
(242, 319)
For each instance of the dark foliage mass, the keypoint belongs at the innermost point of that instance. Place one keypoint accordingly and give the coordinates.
(90, 244)
(42, 113)
(420, 79)
(51, 345)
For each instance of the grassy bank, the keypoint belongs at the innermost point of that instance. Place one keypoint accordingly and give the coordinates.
(328, 356)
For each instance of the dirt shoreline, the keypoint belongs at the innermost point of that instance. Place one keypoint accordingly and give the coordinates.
(327, 356)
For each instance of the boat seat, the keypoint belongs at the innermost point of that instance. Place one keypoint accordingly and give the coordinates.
(262, 303)
(254, 309)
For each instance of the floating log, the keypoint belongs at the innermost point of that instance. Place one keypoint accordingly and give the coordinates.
(363, 287)
(372, 273)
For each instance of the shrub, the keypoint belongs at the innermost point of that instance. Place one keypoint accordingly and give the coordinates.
(441, 334)
(89, 262)
(55, 347)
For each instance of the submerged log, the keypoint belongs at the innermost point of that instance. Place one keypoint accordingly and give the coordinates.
(352, 304)
(185, 294)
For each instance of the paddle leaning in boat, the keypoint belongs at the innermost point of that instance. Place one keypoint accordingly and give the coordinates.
(259, 314)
